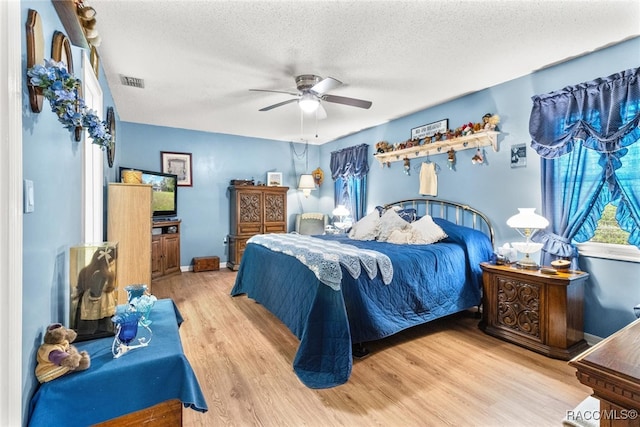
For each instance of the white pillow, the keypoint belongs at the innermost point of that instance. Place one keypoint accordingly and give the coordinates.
(389, 222)
(402, 237)
(367, 228)
(427, 231)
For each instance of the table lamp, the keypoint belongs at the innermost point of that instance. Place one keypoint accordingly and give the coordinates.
(527, 222)
(341, 212)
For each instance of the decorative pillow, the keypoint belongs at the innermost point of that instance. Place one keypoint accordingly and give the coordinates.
(367, 228)
(402, 237)
(390, 221)
(408, 215)
(427, 231)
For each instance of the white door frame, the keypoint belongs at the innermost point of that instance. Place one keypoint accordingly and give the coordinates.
(11, 212)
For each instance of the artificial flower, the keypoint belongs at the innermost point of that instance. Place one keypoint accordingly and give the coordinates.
(61, 89)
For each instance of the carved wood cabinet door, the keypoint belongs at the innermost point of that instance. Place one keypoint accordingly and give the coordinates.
(249, 212)
(275, 212)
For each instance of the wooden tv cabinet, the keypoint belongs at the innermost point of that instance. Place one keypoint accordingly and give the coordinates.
(165, 249)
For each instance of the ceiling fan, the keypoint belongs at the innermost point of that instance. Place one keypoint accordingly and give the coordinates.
(312, 90)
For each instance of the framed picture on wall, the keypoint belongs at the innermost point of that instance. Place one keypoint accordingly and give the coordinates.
(274, 179)
(178, 164)
(518, 156)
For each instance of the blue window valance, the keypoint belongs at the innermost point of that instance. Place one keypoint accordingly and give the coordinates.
(592, 113)
(350, 161)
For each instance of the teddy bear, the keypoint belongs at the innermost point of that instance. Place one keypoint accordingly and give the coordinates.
(490, 121)
(382, 147)
(57, 356)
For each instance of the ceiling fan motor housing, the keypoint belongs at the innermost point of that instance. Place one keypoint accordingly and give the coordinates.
(305, 82)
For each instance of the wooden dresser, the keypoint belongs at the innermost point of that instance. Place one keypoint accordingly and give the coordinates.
(254, 210)
(612, 369)
(542, 312)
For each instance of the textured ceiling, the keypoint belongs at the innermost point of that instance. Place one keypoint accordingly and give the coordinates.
(199, 59)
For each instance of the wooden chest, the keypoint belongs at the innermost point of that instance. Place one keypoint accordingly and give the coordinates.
(206, 263)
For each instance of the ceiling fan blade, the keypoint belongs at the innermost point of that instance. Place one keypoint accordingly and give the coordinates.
(321, 113)
(353, 102)
(279, 104)
(325, 85)
(275, 91)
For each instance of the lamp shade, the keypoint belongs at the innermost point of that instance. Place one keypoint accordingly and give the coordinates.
(340, 211)
(306, 184)
(527, 222)
(308, 103)
(527, 218)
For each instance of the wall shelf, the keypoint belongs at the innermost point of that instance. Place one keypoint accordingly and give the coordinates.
(67, 11)
(473, 141)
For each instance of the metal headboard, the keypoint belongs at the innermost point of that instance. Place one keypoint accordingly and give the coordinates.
(455, 212)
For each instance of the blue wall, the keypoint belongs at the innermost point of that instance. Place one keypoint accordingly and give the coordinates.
(216, 160)
(53, 161)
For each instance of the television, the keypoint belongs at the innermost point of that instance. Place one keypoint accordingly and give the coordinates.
(164, 199)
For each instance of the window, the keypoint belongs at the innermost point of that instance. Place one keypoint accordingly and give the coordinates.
(349, 168)
(608, 229)
(589, 138)
(609, 240)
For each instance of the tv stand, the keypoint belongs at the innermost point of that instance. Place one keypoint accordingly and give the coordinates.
(165, 248)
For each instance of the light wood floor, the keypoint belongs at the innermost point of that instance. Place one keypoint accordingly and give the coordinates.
(447, 372)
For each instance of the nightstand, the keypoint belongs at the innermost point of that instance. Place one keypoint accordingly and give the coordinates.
(542, 312)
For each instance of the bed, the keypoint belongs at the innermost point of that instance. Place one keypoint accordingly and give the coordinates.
(333, 310)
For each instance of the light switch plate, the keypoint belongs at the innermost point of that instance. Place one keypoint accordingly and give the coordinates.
(29, 201)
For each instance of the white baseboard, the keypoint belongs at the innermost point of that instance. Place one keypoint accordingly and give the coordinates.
(184, 268)
(592, 339)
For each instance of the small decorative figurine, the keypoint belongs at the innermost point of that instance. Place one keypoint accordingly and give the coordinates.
(477, 159)
(451, 158)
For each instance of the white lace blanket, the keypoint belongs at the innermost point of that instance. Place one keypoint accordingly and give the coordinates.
(324, 257)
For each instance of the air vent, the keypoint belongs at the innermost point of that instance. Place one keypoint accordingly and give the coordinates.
(132, 81)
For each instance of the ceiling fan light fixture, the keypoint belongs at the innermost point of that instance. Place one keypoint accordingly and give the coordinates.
(308, 103)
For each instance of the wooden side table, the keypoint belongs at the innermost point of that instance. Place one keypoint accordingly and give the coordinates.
(542, 312)
(612, 369)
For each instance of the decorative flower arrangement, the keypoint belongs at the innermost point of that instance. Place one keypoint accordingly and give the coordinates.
(61, 89)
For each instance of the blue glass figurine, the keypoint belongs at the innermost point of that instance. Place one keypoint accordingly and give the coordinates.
(126, 324)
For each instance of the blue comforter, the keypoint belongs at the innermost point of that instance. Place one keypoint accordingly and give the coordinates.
(429, 282)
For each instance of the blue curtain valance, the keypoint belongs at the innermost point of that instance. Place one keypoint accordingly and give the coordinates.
(593, 114)
(350, 161)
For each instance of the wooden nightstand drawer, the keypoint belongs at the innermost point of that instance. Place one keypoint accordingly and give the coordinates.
(543, 312)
